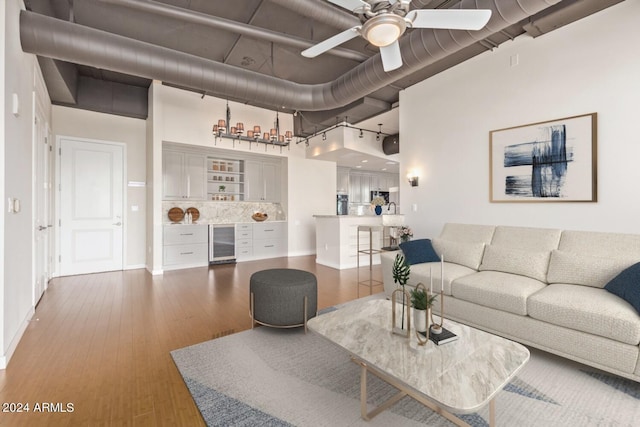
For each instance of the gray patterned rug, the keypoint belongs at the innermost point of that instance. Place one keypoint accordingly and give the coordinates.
(275, 377)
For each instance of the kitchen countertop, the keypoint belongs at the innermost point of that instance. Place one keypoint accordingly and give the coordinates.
(223, 222)
(348, 216)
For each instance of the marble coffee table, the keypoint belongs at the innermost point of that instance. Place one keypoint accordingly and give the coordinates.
(460, 377)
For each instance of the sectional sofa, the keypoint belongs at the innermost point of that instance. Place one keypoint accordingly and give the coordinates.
(540, 287)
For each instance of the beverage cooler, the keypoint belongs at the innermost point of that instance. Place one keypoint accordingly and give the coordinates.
(222, 243)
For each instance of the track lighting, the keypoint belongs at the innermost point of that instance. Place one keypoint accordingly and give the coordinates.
(361, 134)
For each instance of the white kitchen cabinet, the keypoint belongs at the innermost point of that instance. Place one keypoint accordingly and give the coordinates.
(261, 240)
(185, 246)
(342, 181)
(262, 181)
(269, 239)
(183, 176)
(244, 241)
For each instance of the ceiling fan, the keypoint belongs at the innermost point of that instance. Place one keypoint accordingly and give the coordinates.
(384, 21)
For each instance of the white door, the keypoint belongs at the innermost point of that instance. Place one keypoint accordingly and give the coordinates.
(41, 203)
(91, 206)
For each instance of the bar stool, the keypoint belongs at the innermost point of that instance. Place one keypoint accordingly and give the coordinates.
(369, 281)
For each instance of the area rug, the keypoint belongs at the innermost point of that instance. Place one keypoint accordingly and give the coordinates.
(279, 377)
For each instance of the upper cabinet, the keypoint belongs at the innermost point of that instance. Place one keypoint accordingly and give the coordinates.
(192, 173)
(262, 180)
(183, 175)
(342, 183)
(362, 183)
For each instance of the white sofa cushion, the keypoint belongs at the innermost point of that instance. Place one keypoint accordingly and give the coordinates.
(533, 264)
(470, 233)
(527, 238)
(581, 269)
(502, 291)
(420, 273)
(463, 253)
(606, 245)
(587, 309)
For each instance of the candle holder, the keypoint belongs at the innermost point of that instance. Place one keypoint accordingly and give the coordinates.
(436, 328)
(405, 299)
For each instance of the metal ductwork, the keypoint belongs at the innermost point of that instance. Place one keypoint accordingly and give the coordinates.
(321, 12)
(391, 144)
(66, 41)
(251, 31)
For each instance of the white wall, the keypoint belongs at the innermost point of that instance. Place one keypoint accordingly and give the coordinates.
(589, 66)
(312, 191)
(132, 132)
(16, 180)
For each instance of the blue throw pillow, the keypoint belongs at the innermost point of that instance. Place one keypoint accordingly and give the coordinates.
(626, 285)
(418, 251)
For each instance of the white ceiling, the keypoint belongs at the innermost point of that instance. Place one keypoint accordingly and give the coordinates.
(357, 160)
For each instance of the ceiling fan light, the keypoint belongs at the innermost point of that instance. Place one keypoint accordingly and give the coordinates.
(382, 30)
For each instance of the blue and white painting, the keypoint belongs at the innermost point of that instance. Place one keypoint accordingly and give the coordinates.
(548, 161)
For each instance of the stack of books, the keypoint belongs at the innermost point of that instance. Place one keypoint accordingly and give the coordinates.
(443, 337)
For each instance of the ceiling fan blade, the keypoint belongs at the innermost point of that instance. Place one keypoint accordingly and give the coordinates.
(331, 42)
(349, 4)
(391, 57)
(453, 19)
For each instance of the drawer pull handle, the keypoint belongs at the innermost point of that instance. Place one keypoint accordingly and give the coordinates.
(269, 246)
(186, 234)
(186, 253)
(269, 229)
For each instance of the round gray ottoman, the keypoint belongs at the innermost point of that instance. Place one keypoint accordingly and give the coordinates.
(283, 297)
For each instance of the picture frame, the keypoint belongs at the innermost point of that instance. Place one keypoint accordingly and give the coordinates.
(550, 161)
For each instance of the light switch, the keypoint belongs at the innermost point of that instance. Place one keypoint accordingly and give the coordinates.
(134, 208)
(414, 207)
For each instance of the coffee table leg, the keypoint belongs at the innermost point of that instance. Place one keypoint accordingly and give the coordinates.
(492, 412)
(367, 416)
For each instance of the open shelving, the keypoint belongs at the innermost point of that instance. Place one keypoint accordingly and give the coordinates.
(225, 179)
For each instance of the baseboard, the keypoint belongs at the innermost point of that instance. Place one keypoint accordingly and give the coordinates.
(301, 253)
(135, 267)
(154, 272)
(5, 358)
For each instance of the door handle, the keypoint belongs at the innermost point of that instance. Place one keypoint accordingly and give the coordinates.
(40, 228)
(117, 224)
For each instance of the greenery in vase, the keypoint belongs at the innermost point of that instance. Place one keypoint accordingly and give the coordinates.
(401, 270)
(378, 201)
(420, 300)
(405, 233)
(221, 188)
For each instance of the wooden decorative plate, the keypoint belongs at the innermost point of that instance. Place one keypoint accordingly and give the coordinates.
(195, 213)
(176, 214)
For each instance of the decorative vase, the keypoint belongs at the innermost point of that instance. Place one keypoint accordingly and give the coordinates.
(378, 209)
(420, 320)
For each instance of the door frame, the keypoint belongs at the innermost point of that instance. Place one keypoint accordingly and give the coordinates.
(58, 214)
(40, 111)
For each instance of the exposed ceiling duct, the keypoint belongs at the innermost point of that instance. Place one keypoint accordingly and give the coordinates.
(66, 41)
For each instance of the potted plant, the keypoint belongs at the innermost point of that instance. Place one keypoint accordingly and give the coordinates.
(221, 188)
(421, 302)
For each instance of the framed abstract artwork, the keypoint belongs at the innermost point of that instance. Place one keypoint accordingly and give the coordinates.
(553, 161)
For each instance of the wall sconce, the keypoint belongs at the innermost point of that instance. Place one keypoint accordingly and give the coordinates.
(413, 179)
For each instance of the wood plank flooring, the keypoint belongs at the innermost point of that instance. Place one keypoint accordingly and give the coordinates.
(101, 342)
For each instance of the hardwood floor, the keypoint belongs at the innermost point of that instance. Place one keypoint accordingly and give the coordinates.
(101, 342)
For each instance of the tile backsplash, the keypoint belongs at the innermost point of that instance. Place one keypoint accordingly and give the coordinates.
(219, 212)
